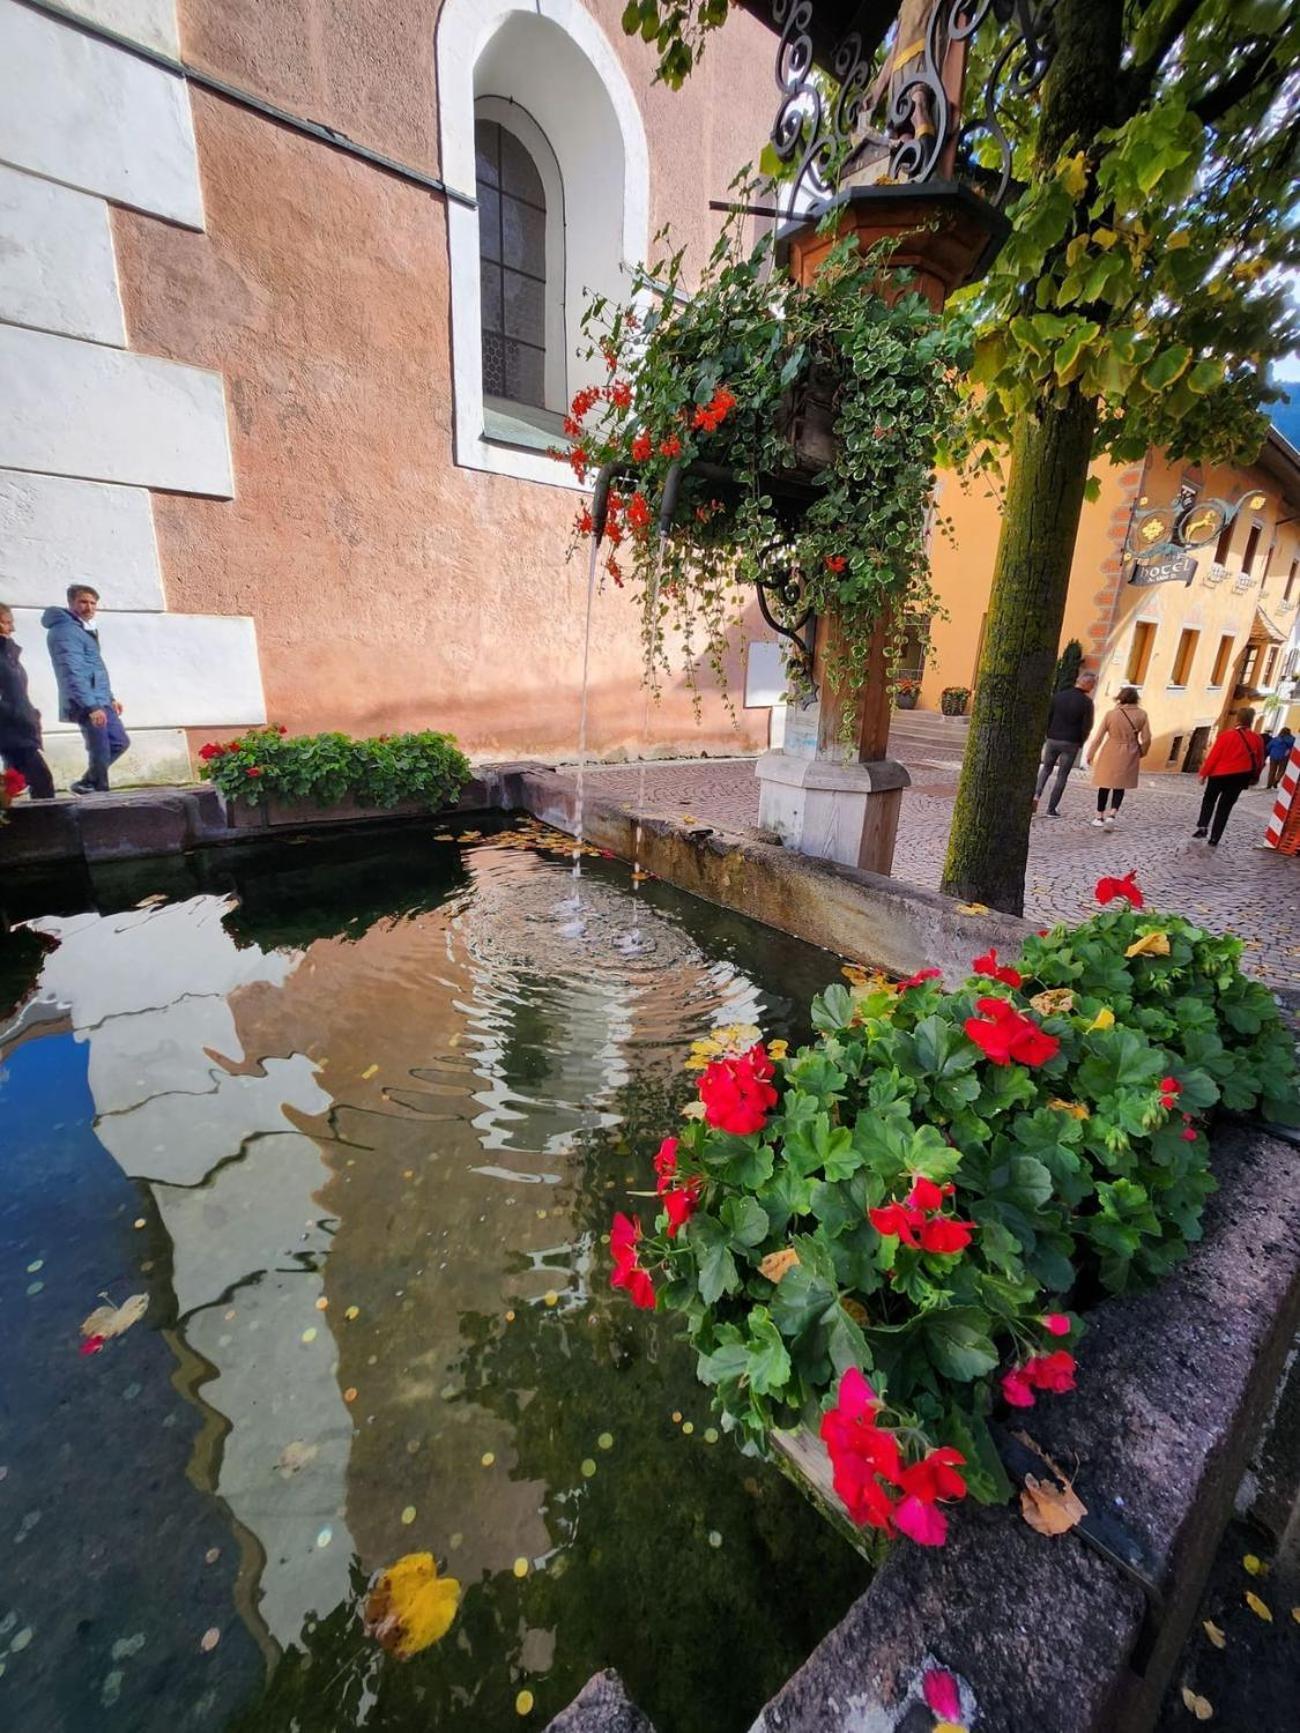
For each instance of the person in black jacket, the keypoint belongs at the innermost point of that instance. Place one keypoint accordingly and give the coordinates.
(20, 720)
(1068, 727)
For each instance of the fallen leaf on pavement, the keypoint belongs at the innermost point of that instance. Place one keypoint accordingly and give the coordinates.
(1255, 1565)
(1050, 1509)
(1215, 1635)
(1258, 1607)
(409, 1606)
(972, 908)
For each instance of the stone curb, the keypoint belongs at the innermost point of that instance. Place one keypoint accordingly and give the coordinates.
(602, 1706)
(885, 921)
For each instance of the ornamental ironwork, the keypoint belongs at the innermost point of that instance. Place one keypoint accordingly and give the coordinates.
(926, 128)
(782, 603)
(1159, 535)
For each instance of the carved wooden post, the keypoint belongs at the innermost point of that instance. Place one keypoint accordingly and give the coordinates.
(833, 791)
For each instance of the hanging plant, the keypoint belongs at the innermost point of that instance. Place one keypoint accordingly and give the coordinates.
(800, 425)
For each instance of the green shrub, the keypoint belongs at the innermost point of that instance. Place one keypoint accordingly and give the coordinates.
(1069, 664)
(1055, 1115)
(328, 768)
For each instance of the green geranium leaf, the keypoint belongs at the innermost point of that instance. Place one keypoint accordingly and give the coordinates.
(959, 1344)
(768, 1363)
(746, 1221)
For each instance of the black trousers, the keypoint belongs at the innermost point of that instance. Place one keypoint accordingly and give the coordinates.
(1221, 795)
(24, 756)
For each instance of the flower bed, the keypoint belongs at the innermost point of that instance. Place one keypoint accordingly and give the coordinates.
(330, 769)
(911, 1215)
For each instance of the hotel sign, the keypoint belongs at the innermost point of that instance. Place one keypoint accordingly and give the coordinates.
(1172, 569)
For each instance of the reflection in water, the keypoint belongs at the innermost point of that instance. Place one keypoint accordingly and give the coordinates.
(377, 1167)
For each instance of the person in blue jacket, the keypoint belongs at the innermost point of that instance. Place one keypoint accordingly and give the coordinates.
(1279, 753)
(85, 691)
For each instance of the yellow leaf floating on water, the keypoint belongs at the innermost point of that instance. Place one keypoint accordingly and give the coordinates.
(1199, 1706)
(949, 1727)
(972, 908)
(368, 1073)
(1215, 1635)
(108, 1321)
(524, 1703)
(1105, 1019)
(1258, 1607)
(777, 1264)
(1255, 1565)
(1149, 945)
(410, 1606)
(1050, 1509)
(469, 836)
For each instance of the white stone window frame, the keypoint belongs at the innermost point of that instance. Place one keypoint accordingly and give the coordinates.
(465, 29)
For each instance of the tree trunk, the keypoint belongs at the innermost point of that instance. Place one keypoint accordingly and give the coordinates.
(990, 827)
(1050, 454)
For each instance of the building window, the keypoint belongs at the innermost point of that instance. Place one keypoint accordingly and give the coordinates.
(1222, 656)
(1224, 542)
(1269, 666)
(1292, 577)
(1139, 656)
(512, 267)
(1175, 749)
(1252, 548)
(528, 93)
(1184, 656)
(1250, 666)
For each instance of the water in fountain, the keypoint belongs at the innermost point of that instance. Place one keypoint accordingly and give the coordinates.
(573, 906)
(633, 940)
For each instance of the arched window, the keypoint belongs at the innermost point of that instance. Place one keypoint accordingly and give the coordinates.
(536, 111)
(512, 266)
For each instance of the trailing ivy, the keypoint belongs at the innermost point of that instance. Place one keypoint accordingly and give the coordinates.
(711, 381)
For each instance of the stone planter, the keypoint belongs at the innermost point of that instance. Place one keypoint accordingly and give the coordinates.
(905, 700)
(953, 700)
(274, 814)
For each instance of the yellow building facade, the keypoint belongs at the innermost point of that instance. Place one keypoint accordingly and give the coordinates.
(1199, 632)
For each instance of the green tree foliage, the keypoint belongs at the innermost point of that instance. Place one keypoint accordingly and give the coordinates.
(1067, 668)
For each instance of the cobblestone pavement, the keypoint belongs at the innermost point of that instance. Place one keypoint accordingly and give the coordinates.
(1236, 888)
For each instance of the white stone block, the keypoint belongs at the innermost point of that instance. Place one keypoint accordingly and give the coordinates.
(167, 670)
(152, 22)
(155, 755)
(78, 409)
(56, 260)
(55, 532)
(83, 112)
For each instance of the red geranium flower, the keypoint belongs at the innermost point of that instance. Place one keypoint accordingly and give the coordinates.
(641, 448)
(1108, 889)
(624, 1238)
(1055, 1323)
(681, 1203)
(708, 415)
(926, 1195)
(1051, 1372)
(936, 1476)
(578, 460)
(836, 563)
(736, 1093)
(619, 394)
(897, 1219)
(1188, 1134)
(638, 513)
(1005, 1034)
(919, 979)
(1170, 1090)
(988, 965)
(254, 770)
(586, 523)
(584, 401)
(943, 1236)
(670, 447)
(210, 751)
(665, 1162)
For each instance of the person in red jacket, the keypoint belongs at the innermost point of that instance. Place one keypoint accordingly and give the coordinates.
(1231, 765)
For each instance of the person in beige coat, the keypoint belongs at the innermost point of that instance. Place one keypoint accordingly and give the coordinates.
(1116, 751)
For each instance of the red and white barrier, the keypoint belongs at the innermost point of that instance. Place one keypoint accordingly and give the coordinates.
(1283, 831)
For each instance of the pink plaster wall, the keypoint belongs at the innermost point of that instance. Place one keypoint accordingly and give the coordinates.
(390, 588)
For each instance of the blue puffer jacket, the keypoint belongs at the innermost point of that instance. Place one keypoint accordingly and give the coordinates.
(78, 665)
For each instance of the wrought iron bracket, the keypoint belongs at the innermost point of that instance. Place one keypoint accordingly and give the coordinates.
(925, 125)
(786, 590)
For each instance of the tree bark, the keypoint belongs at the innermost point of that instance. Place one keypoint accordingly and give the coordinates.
(990, 828)
(1050, 453)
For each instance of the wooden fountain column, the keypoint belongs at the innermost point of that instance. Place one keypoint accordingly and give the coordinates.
(833, 791)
